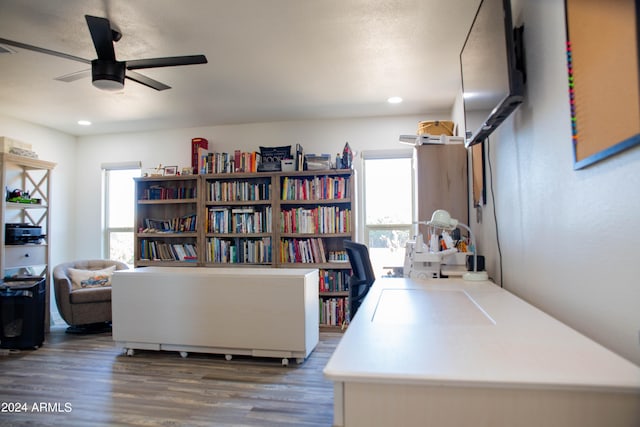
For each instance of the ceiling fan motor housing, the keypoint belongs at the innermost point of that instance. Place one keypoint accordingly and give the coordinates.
(108, 75)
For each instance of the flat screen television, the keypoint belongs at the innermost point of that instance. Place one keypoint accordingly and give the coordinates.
(492, 69)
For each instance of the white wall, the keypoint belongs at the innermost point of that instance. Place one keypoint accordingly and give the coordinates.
(174, 148)
(569, 238)
(57, 147)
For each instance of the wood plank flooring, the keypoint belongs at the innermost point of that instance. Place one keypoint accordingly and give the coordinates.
(84, 380)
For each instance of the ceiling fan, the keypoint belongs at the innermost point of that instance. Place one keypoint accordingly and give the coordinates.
(107, 73)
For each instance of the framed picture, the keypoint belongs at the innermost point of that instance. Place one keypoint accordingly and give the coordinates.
(477, 169)
(603, 70)
(170, 170)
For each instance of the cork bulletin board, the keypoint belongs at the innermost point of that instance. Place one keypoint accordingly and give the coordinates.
(602, 58)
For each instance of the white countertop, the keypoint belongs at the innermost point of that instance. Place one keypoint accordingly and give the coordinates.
(220, 272)
(452, 332)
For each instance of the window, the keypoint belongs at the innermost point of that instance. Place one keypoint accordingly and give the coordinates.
(119, 204)
(388, 208)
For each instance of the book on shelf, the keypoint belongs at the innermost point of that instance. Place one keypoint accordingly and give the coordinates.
(155, 250)
(185, 252)
(334, 311)
(315, 188)
(159, 192)
(302, 251)
(185, 223)
(321, 219)
(203, 160)
(242, 220)
(238, 161)
(245, 161)
(157, 225)
(333, 280)
(299, 157)
(238, 190)
(239, 250)
(218, 220)
(338, 256)
(198, 146)
(246, 219)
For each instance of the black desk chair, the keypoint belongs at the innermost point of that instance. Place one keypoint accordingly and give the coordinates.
(362, 278)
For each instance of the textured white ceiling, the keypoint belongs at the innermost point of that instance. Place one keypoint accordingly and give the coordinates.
(269, 60)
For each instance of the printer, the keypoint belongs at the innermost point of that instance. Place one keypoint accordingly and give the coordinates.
(22, 233)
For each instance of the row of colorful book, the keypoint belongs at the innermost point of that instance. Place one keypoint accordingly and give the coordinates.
(334, 311)
(239, 251)
(163, 251)
(338, 256)
(302, 251)
(186, 223)
(203, 161)
(230, 191)
(322, 219)
(239, 219)
(334, 280)
(221, 162)
(315, 188)
(158, 192)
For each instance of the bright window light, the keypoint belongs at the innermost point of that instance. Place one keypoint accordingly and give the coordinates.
(388, 197)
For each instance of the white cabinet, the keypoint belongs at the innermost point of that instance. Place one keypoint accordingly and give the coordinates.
(24, 256)
(449, 353)
(263, 312)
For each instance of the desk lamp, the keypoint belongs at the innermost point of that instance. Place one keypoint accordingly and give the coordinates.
(442, 219)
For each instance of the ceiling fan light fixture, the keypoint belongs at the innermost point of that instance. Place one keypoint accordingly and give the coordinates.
(108, 75)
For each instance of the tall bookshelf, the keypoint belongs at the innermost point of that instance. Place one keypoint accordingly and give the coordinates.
(316, 216)
(238, 226)
(167, 221)
(259, 219)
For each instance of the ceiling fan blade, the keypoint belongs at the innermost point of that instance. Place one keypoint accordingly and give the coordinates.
(170, 61)
(144, 80)
(6, 50)
(102, 37)
(43, 50)
(71, 77)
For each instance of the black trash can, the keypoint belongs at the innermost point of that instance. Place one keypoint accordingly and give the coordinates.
(22, 313)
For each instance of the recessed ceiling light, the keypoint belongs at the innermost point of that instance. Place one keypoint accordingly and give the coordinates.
(394, 100)
(84, 122)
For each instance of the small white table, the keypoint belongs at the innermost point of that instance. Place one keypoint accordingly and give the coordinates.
(450, 353)
(262, 312)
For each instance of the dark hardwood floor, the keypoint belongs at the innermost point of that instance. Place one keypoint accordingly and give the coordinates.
(84, 380)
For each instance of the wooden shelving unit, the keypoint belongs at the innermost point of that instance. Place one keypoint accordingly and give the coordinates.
(238, 212)
(240, 224)
(333, 296)
(167, 221)
(30, 259)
